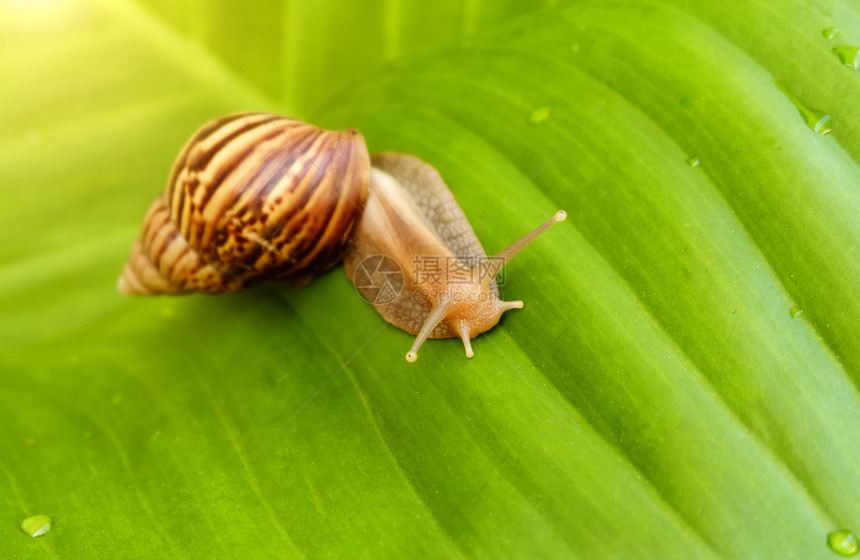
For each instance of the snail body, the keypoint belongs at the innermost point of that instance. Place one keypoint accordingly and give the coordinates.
(256, 197)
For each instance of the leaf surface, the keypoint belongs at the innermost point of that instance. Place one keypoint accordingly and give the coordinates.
(655, 398)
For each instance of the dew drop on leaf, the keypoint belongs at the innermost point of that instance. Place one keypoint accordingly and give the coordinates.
(37, 525)
(539, 115)
(843, 542)
(692, 161)
(830, 33)
(818, 121)
(822, 123)
(849, 56)
(795, 312)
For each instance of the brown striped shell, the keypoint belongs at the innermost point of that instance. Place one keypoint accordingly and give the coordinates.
(251, 197)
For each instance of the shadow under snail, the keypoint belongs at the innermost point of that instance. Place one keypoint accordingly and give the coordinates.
(254, 197)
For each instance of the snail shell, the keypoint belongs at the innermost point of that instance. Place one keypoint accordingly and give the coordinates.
(252, 196)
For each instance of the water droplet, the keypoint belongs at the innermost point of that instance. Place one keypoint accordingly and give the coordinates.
(795, 312)
(849, 56)
(692, 161)
(574, 48)
(843, 542)
(830, 33)
(38, 525)
(816, 120)
(819, 122)
(539, 115)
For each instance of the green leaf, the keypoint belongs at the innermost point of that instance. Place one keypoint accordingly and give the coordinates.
(682, 382)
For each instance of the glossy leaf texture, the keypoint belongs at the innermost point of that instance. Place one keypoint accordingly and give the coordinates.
(659, 396)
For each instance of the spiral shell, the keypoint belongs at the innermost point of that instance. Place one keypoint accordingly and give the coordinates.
(252, 196)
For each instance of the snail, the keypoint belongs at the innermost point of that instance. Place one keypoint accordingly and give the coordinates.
(255, 196)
